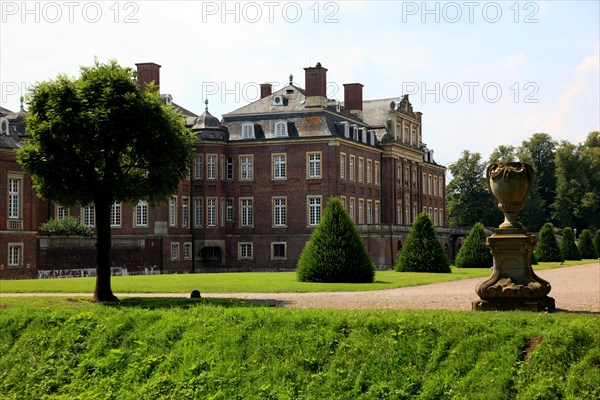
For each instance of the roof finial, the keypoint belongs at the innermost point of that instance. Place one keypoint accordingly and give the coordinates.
(22, 107)
(206, 105)
(291, 79)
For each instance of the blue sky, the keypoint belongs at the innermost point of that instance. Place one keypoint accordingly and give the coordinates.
(483, 73)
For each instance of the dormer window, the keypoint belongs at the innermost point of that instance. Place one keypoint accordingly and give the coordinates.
(168, 99)
(354, 132)
(248, 131)
(346, 130)
(280, 129)
(372, 141)
(363, 134)
(4, 126)
(277, 100)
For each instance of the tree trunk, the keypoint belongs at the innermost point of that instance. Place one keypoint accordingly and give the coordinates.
(103, 291)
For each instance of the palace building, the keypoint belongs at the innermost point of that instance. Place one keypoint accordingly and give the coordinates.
(261, 178)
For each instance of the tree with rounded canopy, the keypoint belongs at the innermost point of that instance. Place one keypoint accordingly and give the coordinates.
(335, 251)
(547, 248)
(568, 248)
(474, 252)
(422, 251)
(100, 139)
(586, 245)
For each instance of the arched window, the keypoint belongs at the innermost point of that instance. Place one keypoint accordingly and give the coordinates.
(3, 126)
(247, 131)
(280, 128)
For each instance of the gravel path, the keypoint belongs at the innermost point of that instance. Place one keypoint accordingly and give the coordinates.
(574, 289)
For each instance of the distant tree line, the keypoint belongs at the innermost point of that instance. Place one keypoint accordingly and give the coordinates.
(566, 191)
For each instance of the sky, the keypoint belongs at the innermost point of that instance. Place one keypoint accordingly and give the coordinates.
(483, 73)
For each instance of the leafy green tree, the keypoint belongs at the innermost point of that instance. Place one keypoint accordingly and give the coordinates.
(474, 252)
(547, 247)
(539, 151)
(422, 251)
(597, 242)
(99, 139)
(568, 248)
(503, 154)
(468, 199)
(586, 245)
(335, 251)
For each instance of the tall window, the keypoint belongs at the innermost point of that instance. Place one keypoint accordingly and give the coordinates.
(246, 168)
(61, 212)
(211, 166)
(435, 217)
(174, 251)
(361, 168)
(361, 206)
(185, 212)
(187, 251)
(222, 166)
(230, 210)
(351, 173)
(222, 212)
(14, 198)
(280, 129)
(376, 178)
(429, 189)
(198, 167)
(229, 168)
(15, 255)
(279, 166)
(245, 250)
(173, 211)
(314, 210)
(441, 183)
(376, 212)
(141, 213)
(351, 209)
(211, 212)
(115, 215)
(314, 165)
(279, 211)
(88, 217)
(246, 212)
(399, 212)
(248, 131)
(435, 186)
(369, 211)
(424, 183)
(369, 171)
(198, 206)
(342, 165)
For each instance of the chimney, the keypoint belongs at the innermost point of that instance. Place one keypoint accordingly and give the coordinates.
(266, 89)
(353, 99)
(316, 86)
(147, 73)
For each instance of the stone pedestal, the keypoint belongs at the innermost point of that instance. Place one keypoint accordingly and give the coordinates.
(513, 285)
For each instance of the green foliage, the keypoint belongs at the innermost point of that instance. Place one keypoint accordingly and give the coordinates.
(568, 248)
(547, 247)
(474, 252)
(100, 139)
(422, 251)
(586, 245)
(468, 199)
(199, 350)
(597, 242)
(335, 251)
(66, 226)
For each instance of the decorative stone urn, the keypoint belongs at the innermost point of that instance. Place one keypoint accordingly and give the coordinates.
(513, 284)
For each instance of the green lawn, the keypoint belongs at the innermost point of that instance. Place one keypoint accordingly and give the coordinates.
(256, 282)
(57, 348)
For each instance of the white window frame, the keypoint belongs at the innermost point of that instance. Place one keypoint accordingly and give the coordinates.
(279, 211)
(88, 215)
(314, 208)
(280, 129)
(361, 169)
(369, 212)
(115, 215)
(173, 211)
(369, 171)
(198, 211)
(279, 164)
(230, 210)
(61, 212)
(314, 165)
(211, 212)
(351, 209)
(174, 251)
(351, 165)
(185, 211)
(15, 196)
(187, 251)
(246, 212)
(245, 251)
(141, 214)
(246, 167)
(361, 211)
(14, 257)
(247, 131)
(211, 167)
(342, 165)
(376, 212)
(198, 167)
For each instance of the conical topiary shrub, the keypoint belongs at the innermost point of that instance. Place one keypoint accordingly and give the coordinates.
(335, 251)
(547, 247)
(586, 245)
(422, 251)
(568, 248)
(474, 253)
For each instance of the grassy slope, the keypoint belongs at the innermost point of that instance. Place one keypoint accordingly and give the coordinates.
(258, 282)
(206, 349)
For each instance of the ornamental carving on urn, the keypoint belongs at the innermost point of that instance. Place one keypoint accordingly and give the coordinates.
(510, 184)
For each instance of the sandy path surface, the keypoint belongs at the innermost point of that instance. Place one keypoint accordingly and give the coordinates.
(574, 288)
